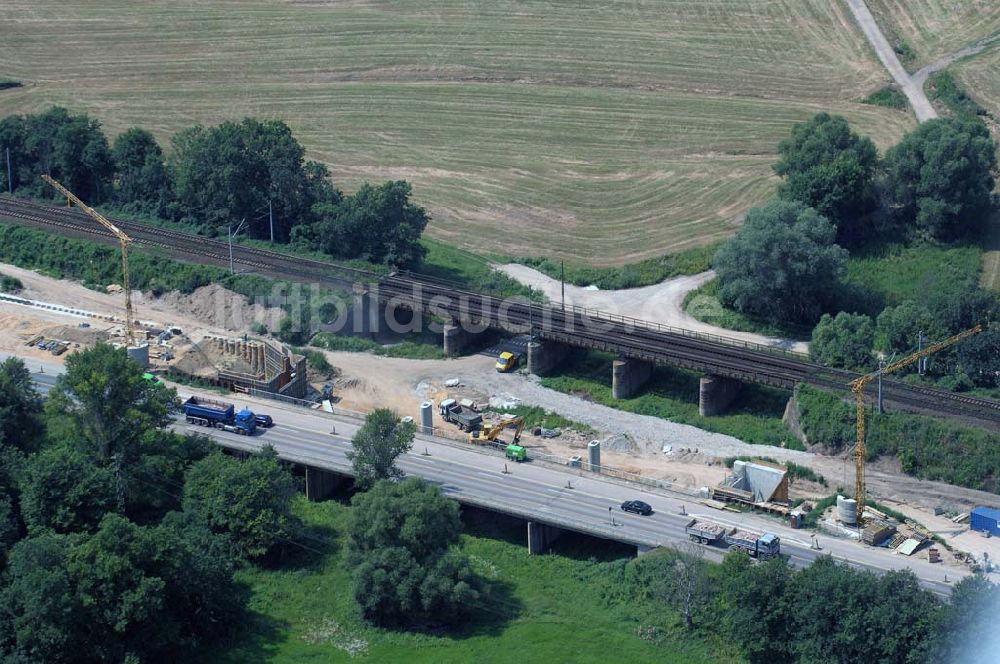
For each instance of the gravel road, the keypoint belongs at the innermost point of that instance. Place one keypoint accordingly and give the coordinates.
(912, 88)
(661, 303)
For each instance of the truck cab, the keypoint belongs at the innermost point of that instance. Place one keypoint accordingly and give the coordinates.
(246, 422)
(768, 546)
(507, 362)
(516, 453)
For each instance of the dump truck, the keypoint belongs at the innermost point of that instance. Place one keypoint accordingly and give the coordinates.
(704, 532)
(466, 418)
(767, 545)
(209, 413)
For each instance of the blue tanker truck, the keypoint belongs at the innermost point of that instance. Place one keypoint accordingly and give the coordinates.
(208, 413)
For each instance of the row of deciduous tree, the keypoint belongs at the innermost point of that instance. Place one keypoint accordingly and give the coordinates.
(253, 170)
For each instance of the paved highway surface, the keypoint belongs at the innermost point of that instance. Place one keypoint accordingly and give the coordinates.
(541, 492)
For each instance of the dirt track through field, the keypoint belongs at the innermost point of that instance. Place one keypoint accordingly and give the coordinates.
(913, 89)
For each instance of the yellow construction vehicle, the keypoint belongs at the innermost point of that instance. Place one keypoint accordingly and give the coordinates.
(858, 387)
(123, 239)
(492, 432)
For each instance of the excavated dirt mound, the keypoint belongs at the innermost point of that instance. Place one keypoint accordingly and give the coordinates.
(217, 307)
(85, 336)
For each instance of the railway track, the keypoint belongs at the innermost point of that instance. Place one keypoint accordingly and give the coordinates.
(579, 327)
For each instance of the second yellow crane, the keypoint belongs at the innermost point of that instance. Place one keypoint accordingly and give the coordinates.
(123, 239)
(858, 387)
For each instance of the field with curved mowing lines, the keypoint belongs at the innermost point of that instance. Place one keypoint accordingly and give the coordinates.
(599, 132)
(935, 28)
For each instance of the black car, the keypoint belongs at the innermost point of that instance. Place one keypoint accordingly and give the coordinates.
(637, 507)
(264, 421)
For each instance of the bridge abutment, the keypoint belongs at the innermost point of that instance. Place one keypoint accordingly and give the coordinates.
(541, 536)
(544, 356)
(716, 394)
(628, 376)
(320, 484)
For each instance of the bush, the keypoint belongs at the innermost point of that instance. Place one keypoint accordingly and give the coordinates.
(10, 284)
(845, 341)
(399, 546)
(890, 97)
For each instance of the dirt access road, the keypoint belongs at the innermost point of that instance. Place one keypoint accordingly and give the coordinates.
(661, 303)
(912, 88)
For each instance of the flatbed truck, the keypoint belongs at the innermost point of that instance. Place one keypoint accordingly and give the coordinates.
(767, 545)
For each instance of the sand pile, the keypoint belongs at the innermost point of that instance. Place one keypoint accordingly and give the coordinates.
(218, 307)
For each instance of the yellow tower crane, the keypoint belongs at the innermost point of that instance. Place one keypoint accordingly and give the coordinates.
(125, 241)
(858, 387)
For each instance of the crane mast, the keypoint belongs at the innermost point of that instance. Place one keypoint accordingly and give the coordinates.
(123, 239)
(858, 387)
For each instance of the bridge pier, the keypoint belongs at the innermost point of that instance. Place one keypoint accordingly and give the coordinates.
(544, 356)
(716, 393)
(321, 484)
(628, 376)
(541, 536)
(456, 339)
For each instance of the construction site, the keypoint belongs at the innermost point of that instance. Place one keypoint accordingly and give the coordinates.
(193, 348)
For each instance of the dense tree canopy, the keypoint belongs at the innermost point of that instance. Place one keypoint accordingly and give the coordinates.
(940, 177)
(230, 172)
(143, 183)
(377, 444)
(828, 167)
(214, 178)
(806, 618)
(845, 341)
(400, 536)
(70, 148)
(20, 424)
(103, 402)
(783, 264)
(376, 223)
(64, 491)
(248, 501)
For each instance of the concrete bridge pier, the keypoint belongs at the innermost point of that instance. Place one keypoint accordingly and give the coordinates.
(628, 376)
(541, 536)
(716, 393)
(320, 484)
(544, 356)
(456, 339)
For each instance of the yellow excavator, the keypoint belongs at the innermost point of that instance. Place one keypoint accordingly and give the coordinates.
(514, 450)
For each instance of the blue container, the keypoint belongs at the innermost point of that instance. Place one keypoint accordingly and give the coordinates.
(985, 519)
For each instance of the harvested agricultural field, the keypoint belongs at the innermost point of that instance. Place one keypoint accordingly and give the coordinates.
(602, 133)
(935, 28)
